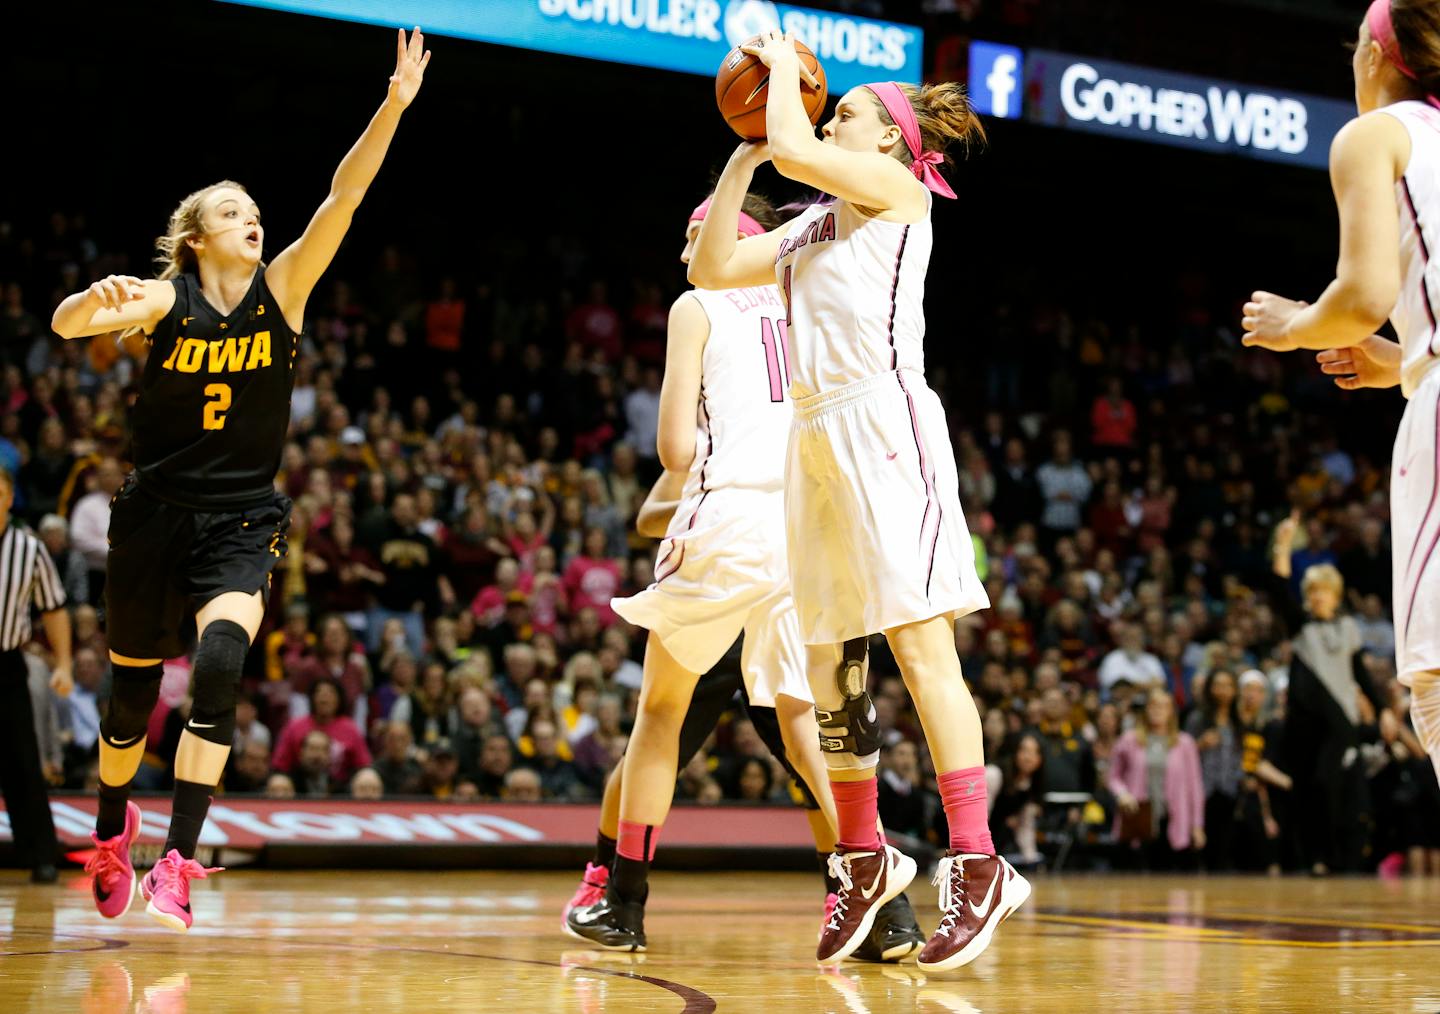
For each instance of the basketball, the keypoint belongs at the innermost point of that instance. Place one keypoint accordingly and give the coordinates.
(742, 86)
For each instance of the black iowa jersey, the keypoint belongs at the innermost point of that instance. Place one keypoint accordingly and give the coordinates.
(214, 405)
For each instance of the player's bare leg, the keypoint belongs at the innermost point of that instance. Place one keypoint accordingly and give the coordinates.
(136, 688)
(869, 873)
(646, 792)
(597, 870)
(978, 889)
(227, 624)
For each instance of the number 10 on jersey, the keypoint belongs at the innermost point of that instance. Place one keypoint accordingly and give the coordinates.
(775, 336)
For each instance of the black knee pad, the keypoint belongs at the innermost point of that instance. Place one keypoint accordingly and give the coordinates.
(767, 726)
(133, 693)
(219, 661)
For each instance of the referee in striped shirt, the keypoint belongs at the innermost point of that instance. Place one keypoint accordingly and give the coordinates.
(27, 577)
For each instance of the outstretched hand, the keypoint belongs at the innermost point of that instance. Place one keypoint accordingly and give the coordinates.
(113, 291)
(1285, 532)
(774, 47)
(411, 59)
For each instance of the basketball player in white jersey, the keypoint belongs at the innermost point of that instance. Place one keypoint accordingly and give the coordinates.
(877, 537)
(1385, 170)
(721, 570)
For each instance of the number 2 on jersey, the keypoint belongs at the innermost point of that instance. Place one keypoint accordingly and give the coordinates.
(216, 408)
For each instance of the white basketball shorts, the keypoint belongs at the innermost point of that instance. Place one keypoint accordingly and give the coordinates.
(872, 503)
(1415, 532)
(721, 570)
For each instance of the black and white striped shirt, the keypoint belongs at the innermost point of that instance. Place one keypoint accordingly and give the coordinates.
(27, 577)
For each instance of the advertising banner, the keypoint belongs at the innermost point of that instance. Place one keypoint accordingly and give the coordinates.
(1122, 100)
(252, 823)
(691, 36)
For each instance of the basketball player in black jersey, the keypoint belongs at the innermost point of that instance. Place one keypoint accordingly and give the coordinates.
(198, 525)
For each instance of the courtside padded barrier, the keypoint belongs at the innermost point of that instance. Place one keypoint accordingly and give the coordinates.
(427, 833)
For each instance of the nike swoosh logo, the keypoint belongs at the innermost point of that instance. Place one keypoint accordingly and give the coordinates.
(123, 744)
(101, 895)
(185, 908)
(584, 917)
(201, 725)
(891, 455)
(983, 913)
(869, 892)
(758, 89)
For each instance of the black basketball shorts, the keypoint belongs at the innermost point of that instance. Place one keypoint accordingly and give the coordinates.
(166, 562)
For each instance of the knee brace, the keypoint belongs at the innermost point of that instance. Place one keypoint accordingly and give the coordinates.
(850, 736)
(219, 660)
(133, 693)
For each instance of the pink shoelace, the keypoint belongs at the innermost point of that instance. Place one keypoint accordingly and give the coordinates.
(592, 888)
(106, 861)
(176, 872)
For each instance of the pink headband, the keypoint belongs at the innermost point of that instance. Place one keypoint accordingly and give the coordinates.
(1382, 30)
(747, 227)
(897, 104)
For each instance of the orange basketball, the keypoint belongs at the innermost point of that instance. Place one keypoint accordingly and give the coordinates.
(743, 84)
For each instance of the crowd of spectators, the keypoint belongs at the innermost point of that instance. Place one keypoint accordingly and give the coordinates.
(466, 468)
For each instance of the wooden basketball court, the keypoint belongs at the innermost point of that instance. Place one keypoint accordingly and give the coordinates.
(421, 942)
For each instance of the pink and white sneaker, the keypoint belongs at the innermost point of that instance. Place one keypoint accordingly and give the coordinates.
(591, 890)
(167, 889)
(112, 874)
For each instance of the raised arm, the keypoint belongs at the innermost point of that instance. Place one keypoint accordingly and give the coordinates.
(1366, 159)
(720, 260)
(1284, 545)
(293, 274)
(867, 179)
(1282, 591)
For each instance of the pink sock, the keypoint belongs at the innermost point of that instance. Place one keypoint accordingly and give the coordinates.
(637, 841)
(855, 806)
(963, 795)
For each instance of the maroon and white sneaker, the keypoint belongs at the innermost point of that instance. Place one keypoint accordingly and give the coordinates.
(977, 894)
(867, 881)
(591, 890)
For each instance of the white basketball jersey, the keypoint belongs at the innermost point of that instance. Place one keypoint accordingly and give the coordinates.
(1417, 193)
(743, 421)
(856, 292)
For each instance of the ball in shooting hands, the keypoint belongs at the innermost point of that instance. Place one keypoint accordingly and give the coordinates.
(742, 87)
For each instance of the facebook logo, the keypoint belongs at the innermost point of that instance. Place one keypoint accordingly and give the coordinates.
(995, 79)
